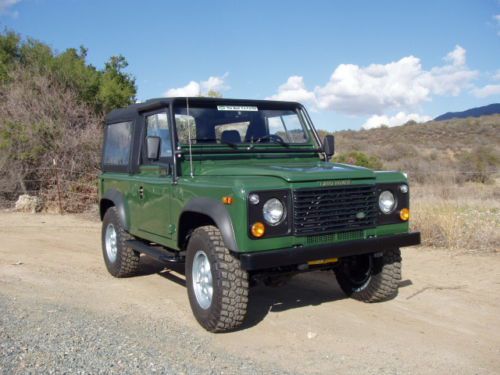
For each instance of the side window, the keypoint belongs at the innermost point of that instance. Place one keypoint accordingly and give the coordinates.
(157, 125)
(117, 147)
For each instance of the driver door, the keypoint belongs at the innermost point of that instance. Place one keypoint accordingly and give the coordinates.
(155, 180)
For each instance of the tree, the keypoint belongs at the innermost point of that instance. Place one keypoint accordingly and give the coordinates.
(102, 90)
(117, 89)
(9, 53)
(213, 94)
(51, 108)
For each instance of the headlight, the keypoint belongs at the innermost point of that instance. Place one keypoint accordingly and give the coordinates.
(386, 202)
(274, 211)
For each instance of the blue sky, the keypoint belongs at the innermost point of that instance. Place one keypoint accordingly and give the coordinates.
(353, 63)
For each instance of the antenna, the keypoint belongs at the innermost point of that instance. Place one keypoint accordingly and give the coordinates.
(189, 139)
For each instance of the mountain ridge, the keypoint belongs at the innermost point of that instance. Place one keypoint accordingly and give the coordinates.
(490, 109)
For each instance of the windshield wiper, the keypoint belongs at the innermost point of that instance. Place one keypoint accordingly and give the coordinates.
(271, 137)
(230, 144)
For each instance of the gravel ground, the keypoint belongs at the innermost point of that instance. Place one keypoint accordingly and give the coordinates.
(61, 312)
(45, 338)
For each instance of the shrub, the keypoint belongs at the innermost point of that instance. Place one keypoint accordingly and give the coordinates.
(479, 164)
(359, 158)
(42, 123)
(51, 110)
(435, 152)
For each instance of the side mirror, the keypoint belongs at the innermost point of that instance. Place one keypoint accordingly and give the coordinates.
(153, 147)
(329, 146)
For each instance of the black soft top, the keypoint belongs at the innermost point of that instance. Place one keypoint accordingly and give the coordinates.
(132, 111)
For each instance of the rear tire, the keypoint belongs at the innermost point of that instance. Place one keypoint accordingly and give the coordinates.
(370, 278)
(217, 286)
(120, 260)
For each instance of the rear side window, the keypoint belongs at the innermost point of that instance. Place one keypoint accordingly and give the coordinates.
(118, 140)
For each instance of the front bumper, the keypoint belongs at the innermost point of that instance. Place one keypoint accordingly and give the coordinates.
(301, 255)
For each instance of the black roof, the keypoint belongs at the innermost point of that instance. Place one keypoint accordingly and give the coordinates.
(129, 113)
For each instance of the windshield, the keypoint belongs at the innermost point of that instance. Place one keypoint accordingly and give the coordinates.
(233, 125)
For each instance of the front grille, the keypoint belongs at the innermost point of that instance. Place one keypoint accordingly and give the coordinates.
(336, 209)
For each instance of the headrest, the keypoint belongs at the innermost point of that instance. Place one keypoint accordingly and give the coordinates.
(231, 136)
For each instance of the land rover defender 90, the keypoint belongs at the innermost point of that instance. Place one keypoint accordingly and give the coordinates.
(243, 191)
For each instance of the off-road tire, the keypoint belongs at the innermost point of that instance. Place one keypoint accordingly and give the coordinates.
(383, 281)
(230, 283)
(127, 260)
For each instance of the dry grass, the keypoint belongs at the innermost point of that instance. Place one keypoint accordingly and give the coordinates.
(460, 217)
(436, 152)
(453, 168)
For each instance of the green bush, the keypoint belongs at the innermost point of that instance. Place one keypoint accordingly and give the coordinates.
(359, 158)
(479, 165)
(100, 89)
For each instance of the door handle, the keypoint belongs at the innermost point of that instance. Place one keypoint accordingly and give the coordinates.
(141, 192)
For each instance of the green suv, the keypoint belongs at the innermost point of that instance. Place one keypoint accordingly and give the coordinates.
(243, 192)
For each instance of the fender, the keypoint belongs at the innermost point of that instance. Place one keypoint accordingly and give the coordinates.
(219, 214)
(119, 201)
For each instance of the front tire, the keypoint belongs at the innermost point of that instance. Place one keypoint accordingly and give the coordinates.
(120, 260)
(370, 277)
(217, 286)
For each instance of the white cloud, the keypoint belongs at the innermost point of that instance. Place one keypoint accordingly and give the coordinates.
(294, 90)
(193, 88)
(363, 90)
(448, 79)
(400, 118)
(488, 90)
(497, 19)
(215, 83)
(377, 88)
(457, 56)
(6, 4)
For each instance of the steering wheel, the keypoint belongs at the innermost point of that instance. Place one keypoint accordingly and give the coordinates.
(271, 137)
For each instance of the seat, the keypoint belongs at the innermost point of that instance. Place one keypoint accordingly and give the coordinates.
(255, 131)
(230, 136)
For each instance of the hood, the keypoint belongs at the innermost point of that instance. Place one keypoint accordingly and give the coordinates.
(291, 172)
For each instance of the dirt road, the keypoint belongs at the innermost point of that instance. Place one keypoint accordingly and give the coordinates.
(55, 295)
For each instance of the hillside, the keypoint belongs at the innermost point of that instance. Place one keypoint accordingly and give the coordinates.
(435, 150)
(486, 110)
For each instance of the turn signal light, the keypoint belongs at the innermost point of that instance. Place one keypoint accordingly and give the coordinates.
(227, 200)
(404, 214)
(258, 229)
